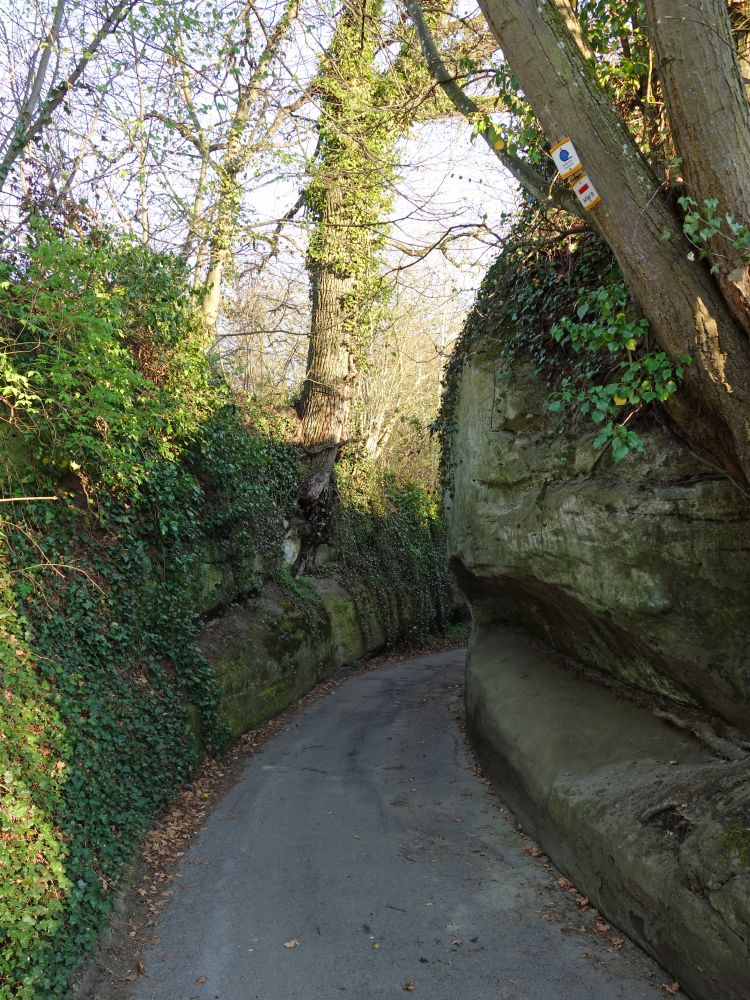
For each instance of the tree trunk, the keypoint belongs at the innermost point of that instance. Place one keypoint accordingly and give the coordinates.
(710, 119)
(211, 303)
(739, 15)
(685, 308)
(346, 197)
(326, 395)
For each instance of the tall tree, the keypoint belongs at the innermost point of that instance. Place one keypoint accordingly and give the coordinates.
(347, 198)
(372, 85)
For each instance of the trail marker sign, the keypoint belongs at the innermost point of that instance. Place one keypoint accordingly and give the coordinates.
(586, 192)
(566, 159)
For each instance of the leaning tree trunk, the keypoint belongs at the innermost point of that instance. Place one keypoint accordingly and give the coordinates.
(710, 119)
(686, 310)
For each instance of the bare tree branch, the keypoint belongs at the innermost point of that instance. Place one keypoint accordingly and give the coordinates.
(529, 179)
(26, 129)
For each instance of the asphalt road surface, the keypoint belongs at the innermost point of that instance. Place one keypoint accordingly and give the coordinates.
(358, 856)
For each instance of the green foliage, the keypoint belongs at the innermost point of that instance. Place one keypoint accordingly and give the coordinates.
(602, 324)
(99, 337)
(556, 297)
(393, 550)
(251, 481)
(702, 226)
(535, 280)
(615, 34)
(106, 698)
(521, 130)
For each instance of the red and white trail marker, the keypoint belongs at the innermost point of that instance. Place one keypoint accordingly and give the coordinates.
(586, 192)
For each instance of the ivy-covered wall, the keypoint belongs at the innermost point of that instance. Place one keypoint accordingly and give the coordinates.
(170, 499)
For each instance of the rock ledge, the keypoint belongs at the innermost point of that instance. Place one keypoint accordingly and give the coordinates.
(641, 816)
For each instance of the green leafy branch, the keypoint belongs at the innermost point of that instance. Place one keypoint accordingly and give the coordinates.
(602, 324)
(701, 226)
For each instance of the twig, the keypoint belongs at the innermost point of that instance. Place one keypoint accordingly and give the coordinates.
(17, 499)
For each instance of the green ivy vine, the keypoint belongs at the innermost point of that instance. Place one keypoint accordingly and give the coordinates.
(107, 701)
(556, 298)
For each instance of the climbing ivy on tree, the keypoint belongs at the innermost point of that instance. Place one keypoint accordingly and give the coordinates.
(368, 98)
(347, 198)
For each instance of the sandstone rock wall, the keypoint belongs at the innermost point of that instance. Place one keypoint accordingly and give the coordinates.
(268, 653)
(644, 820)
(269, 645)
(640, 570)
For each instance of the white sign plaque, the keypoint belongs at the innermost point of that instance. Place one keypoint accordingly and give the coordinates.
(586, 192)
(566, 159)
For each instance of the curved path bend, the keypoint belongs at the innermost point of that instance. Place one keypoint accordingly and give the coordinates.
(361, 838)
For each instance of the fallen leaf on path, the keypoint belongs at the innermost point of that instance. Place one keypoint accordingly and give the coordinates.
(201, 980)
(532, 851)
(673, 989)
(409, 987)
(291, 944)
(375, 946)
(617, 942)
(566, 885)
(457, 941)
(141, 969)
(582, 902)
(601, 928)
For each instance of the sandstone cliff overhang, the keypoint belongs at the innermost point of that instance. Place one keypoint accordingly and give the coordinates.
(630, 770)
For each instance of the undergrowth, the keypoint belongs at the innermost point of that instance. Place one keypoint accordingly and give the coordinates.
(106, 699)
(395, 541)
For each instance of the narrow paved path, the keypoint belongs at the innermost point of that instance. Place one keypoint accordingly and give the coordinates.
(362, 833)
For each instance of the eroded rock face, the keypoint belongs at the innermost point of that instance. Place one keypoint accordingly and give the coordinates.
(640, 569)
(646, 822)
